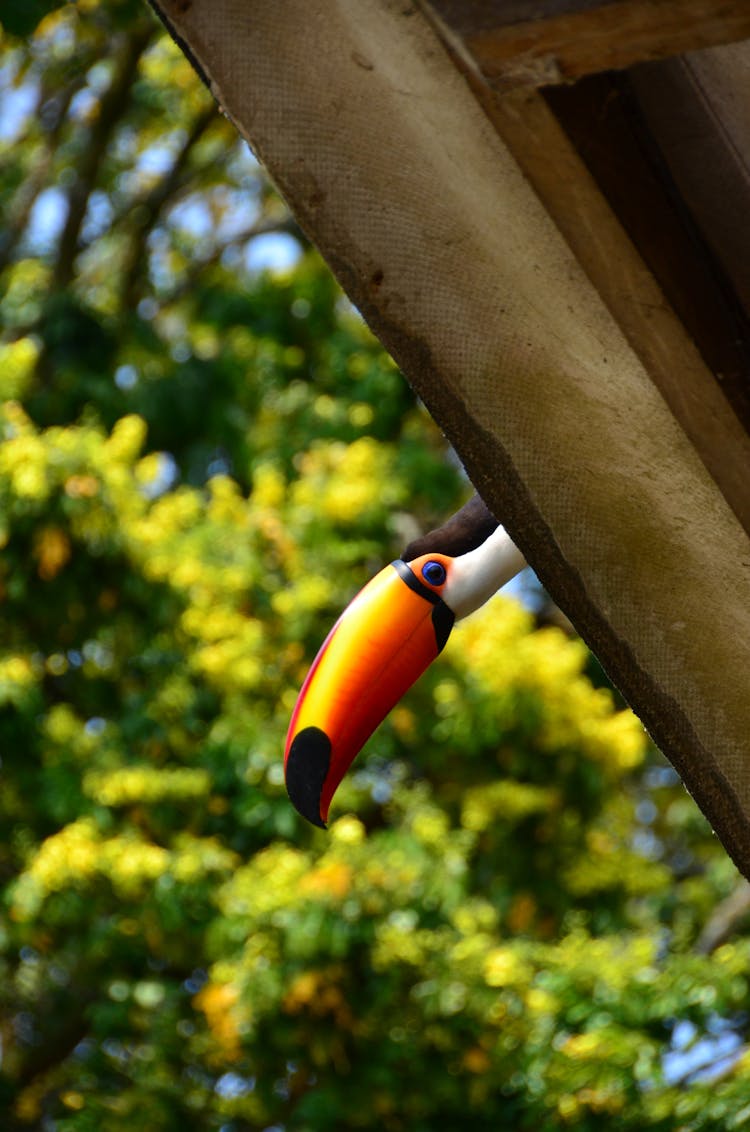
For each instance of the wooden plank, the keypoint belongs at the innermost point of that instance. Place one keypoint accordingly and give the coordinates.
(632, 293)
(629, 235)
(697, 108)
(399, 177)
(611, 134)
(483, 15)
(556, 41)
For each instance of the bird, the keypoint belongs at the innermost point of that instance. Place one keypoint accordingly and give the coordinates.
(384, 640)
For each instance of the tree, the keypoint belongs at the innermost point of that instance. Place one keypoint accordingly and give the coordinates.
(200, 462)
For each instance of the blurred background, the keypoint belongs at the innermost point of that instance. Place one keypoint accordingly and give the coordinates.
(518, 918)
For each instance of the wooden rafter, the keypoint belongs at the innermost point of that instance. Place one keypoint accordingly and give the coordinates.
(534, 329)
(553, 41)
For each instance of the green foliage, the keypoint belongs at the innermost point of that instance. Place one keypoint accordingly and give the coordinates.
(20, 17)
(199, 463)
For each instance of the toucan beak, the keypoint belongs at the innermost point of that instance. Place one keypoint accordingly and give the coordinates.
(383, 641)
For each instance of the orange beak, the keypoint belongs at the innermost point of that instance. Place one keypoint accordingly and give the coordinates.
(383, 641)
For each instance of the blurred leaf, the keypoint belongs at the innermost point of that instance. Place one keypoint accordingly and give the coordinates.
(20, 17)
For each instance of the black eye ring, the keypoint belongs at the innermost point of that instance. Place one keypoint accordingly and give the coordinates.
(434, 573)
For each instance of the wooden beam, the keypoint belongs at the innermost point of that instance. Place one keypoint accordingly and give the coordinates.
(634, 290)
(603, 119)
(399, 177)
(556, 41)
(580, 150)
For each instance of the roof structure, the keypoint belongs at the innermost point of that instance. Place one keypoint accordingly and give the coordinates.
(541, 208)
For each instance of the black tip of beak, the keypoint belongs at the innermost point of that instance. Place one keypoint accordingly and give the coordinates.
(306, 769)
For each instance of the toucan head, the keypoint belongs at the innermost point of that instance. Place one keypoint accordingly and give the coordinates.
(382, 642)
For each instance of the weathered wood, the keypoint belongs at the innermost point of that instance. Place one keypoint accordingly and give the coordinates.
(403, 183)
(556, 41)
(610, 132)
(634, 289)
(697, 107)
(638, 248)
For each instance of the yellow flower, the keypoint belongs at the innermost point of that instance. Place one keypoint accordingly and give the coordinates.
(81, 487)
(52, 551)
(348, 830)
(126, 439)
(504, 968)
(330, 879)
(476, 1060)
(17, 362)
(218, 1002)
(268, 487)
(584, 1047)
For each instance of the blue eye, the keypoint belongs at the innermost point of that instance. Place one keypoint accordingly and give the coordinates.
(434, 573)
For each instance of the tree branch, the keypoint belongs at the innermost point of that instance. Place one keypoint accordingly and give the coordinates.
(54, 108)
(260, 228)
(725, 918)
(111, 107)
(147, 211)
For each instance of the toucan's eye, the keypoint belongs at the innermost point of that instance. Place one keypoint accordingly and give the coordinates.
(434, 573)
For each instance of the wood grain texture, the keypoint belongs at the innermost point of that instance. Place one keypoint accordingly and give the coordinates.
(409, 190)
(586, 154)
(557, 41)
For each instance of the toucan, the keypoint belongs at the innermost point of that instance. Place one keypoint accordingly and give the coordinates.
(383, 641)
